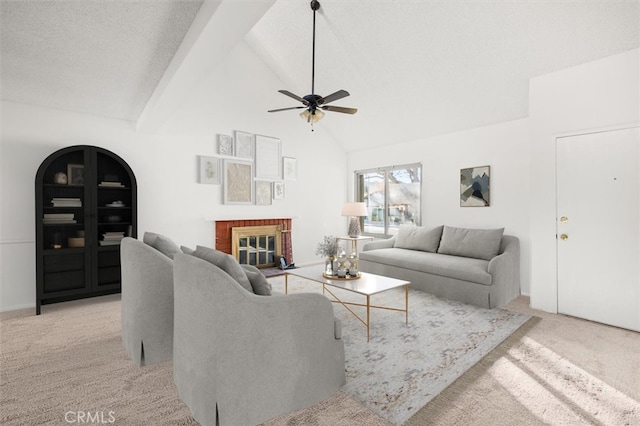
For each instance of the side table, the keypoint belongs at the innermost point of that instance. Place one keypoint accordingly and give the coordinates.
(354, 242)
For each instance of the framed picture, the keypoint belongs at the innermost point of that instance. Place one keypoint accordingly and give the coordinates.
(244, 144)
(289, 168)
(209, 170)
(278, 190)
(267, 157)
(238, 182)
(75, 174)
(225, 145)
(474, 187)
(263, 193)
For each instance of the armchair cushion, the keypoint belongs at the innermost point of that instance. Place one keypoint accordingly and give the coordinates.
(474, 243)
(187, 250)
(161, 243)
(258, 281)
(226, 262)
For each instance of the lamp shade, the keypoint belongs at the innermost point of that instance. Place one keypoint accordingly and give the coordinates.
(354, 209)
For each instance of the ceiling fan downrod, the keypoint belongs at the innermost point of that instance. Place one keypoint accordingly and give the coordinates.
(315, 5)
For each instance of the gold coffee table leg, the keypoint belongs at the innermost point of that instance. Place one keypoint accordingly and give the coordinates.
(368, 321)
(406, 303)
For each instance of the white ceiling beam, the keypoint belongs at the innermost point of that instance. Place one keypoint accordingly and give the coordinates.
(216, 29)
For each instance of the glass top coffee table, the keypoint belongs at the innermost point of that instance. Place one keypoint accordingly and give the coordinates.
(367, 285)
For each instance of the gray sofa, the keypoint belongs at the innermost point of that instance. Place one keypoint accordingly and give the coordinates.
(476, 266)
(241, 358)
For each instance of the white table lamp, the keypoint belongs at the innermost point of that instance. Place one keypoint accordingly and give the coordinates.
(356, 211)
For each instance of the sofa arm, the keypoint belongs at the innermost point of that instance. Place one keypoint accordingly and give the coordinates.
(505, 270)
(380, 244)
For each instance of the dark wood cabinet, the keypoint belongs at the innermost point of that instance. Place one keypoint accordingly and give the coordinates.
(86, 201)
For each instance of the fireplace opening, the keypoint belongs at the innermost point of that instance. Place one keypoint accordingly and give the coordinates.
(257, 245)
(258, 242)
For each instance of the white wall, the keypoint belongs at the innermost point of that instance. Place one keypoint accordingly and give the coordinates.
(521, 155)
(599, 94)
(504, 147)
(169, 198)
(596, 95)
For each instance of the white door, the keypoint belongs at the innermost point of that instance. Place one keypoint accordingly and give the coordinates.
(598, 224)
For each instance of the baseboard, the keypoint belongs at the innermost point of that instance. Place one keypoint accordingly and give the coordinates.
(17, 308)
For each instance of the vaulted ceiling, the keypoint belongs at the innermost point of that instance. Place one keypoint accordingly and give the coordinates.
(413, 68)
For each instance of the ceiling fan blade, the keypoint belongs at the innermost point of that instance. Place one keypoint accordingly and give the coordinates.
(291, 95)
(333, 97)
(285, 109)
(344, 110)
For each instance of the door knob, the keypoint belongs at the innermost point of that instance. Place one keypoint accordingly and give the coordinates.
(564, 237)
(564, 219)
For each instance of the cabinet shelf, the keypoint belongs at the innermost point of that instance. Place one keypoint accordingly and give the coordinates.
(68, 273)
(61, 185)
(62, 251)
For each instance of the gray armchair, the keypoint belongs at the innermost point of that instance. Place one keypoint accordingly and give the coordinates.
(240, 358)
(147, 302)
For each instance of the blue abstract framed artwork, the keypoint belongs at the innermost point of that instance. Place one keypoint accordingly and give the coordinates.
(474, 187)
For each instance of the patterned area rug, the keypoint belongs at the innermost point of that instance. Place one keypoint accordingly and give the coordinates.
(403, 366)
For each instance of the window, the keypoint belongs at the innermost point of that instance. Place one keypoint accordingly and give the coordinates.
(392, 195)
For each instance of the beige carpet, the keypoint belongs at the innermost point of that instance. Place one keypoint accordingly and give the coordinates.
(559, 371)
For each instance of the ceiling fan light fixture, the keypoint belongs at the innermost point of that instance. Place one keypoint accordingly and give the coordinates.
(312, 117)
(313, 102)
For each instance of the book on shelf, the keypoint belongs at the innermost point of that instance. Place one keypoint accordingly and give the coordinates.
(59, 221)
(66, 202)
(58, 215)
(111, 184)
(109, 238)
(109, 242)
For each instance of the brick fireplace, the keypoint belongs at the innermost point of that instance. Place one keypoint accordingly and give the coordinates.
(225, 230)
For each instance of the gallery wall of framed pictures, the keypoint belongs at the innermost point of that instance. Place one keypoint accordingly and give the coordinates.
(250, 167)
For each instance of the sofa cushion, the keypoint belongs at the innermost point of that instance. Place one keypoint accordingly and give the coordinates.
(462, 268)
(475, 243)
(418, 238)
(161, 243)
(258, 281)
(226, 262)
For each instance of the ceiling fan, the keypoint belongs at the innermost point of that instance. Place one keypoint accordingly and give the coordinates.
(314, 104)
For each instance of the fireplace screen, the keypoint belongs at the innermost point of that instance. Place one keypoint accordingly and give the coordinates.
(257, 245)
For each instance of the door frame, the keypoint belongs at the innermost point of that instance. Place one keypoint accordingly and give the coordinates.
(562, 135)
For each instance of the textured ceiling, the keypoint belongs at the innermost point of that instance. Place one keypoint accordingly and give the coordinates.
(413, 68)
(100, 57)
(421, 68)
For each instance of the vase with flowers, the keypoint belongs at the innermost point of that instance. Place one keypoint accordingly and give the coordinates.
(328, 249)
